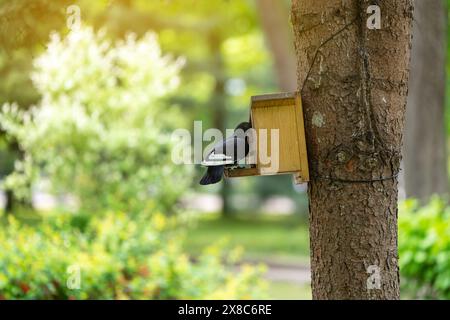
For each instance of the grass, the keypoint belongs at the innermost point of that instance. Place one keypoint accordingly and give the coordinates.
(267, 238)
(280, 290)
(281, 239)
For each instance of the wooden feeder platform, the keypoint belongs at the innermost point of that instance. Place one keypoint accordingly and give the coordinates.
(282, 111)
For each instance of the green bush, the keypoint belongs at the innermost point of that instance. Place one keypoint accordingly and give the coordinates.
(101, 133)
(114, 257)
(424, 248)
(102, 128)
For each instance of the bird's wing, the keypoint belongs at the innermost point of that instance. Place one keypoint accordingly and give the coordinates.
(227, 152)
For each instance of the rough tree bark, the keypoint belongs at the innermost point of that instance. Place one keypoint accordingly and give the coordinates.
(354, 104)
(425, 156)
(278, 33)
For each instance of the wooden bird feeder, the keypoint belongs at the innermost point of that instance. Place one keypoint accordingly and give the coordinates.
(284, 112)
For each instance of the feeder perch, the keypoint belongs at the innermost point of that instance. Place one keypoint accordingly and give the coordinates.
(284, 112)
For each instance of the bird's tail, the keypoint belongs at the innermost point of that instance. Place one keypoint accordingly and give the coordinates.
(213, 175)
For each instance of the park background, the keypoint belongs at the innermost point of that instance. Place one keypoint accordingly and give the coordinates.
(94, 207)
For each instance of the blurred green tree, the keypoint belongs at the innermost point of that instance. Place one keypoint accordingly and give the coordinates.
(227, 59)
(22, 36)
(102, 128)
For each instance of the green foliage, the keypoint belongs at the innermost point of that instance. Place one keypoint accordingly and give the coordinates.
(184, 27)
(199, 30)
(424, 248)
(115, 258)
(22, 34)
(101, 133)
(101, 129)
(25, 23)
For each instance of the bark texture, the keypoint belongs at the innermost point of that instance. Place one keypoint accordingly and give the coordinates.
(425, 156)
(354, 98)
(274, 20)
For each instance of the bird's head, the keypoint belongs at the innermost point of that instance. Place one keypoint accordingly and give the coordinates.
(244, 126)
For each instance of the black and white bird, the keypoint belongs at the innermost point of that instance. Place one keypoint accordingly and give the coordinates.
(227, 152)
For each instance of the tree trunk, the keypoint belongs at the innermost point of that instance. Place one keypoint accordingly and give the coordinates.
(425, 157)
(218, 105)
(274, 20)
(9, 201)
(354, 101)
